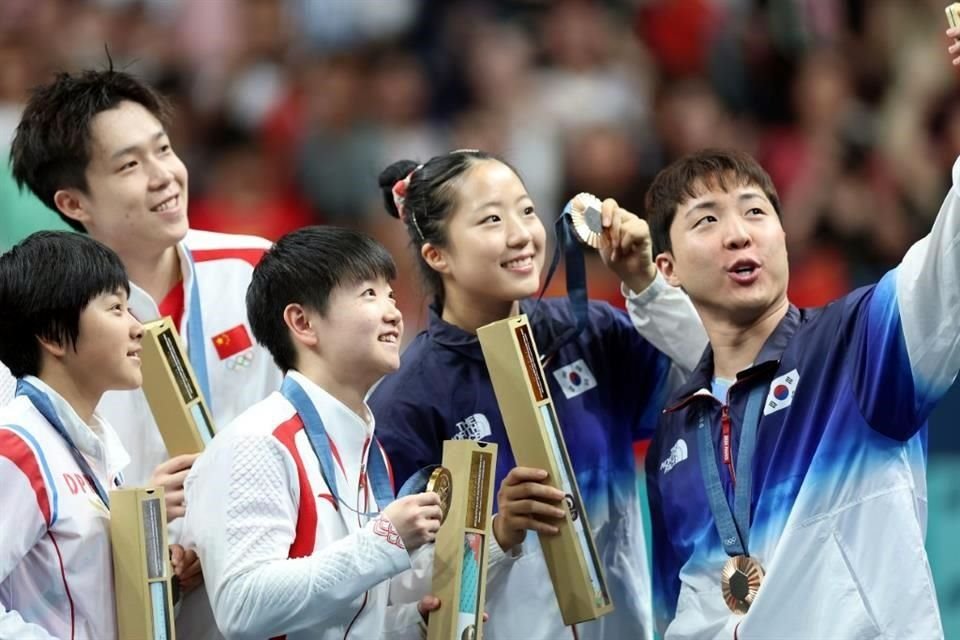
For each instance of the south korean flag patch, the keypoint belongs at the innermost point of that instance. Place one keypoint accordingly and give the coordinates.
(781, 392)
(575, 378)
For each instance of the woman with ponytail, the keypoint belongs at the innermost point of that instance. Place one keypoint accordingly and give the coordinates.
(480, 248)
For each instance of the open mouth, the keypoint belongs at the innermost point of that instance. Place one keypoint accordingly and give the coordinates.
(170, 203)
(744, 271)
(135, 354)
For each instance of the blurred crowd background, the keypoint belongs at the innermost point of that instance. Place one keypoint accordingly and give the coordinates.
(286, 111)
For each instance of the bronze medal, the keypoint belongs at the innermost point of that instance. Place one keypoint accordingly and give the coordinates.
(441, 483)
(586, 220)
(740, 582)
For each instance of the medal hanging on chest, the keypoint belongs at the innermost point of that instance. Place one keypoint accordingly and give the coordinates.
(742, 574)
(740, 582)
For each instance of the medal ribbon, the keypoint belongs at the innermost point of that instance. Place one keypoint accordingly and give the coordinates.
(576, 280)
(45, 407)
(733, 527)
(196, 348)
(376, 467)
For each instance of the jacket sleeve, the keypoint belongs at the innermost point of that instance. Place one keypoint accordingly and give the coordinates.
(244, 541)
(666, 318)
(29, 508)
(906, 341)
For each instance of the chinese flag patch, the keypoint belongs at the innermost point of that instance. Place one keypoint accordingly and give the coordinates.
(232, 341)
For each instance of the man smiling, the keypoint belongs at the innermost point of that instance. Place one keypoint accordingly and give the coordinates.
(787, 477)
(93, 147)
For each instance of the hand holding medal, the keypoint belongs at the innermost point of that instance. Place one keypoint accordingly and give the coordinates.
(585, 217)
(622, 239)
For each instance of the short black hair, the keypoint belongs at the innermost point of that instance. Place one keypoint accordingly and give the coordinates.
(52, 146)
(304, 267)
(680, 181)
(46, 281)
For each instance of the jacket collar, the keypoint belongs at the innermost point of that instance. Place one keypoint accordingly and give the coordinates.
(546, 328)
(145, 309)
(97, 440)
(452, 336)
(701, 378)
(348, 431)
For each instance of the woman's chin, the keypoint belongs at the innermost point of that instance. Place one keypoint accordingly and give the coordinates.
(527, 289)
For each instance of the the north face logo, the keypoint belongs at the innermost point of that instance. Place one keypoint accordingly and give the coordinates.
(678, 453)
(475, 427)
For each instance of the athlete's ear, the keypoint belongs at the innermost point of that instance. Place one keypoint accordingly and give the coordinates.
(300, 323)
(72, 204)
(51, 348)
(667, 265)
(435, 258)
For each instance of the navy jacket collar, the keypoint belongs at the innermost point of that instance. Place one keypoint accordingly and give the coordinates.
(546, 326)
(773, 348)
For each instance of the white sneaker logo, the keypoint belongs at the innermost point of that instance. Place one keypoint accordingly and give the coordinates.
(678, 453)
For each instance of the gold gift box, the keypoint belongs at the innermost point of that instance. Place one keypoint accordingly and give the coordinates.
(460, 551)
(537, 441)
(141, 564)
(175, 399)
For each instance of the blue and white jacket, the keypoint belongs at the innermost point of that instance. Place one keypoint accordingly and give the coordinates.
(608, 386)
(839, 499)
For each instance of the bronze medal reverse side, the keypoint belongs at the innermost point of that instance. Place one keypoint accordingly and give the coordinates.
(740, 582)
(441, 483)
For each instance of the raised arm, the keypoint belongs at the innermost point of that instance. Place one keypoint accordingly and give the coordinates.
(665, 317)
(928, 295)
(907, 342)
(662, 314)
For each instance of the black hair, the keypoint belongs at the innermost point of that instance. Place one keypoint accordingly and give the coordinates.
(52, 146)
(429, 200)
(681, 180)
(304, 267)
(46, 281)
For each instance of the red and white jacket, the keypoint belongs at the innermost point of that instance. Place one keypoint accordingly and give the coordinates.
(240, 372)
(279, 555)
(56, 567)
